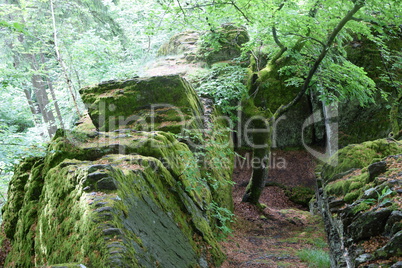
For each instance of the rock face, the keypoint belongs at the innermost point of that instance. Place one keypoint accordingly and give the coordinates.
(361, 201)
(221, 45)
(165, 103)
(357, 123)
(126, 196)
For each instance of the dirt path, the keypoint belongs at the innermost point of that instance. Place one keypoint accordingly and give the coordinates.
(273, 237)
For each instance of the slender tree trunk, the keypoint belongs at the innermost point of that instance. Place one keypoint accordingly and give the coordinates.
(394, 117)
(43, 101)
(60, 60)
(52, 93)
(34, 110)
(261, 159)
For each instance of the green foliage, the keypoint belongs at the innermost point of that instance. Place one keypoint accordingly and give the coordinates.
(342, 80)
(225, 84)
(15, 26)
(361, 207)
(224, 217)
(15, 146)
(197, 176)
(382, 198)
(316, 258)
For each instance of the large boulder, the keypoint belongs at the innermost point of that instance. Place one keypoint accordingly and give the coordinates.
(222, 44)
(166, 103)
(356, 123)
(125, 197)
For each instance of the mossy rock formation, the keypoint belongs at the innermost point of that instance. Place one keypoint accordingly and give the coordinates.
(166, 103)
(127, 197)
(356, 123)
(361, 201)
(222, 44)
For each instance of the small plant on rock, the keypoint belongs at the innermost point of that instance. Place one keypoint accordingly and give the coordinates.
(382, 198)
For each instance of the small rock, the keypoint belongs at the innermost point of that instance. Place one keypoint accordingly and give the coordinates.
(363, 258)
(368, 224)
(336, 203)
(376, 169)
(106, 184)
(397, 265)
(394, 223)
(93, 134)
(203, 263)
(393, 247)
(103, 209)
(96, 167)
(100, 204)
(112, 231)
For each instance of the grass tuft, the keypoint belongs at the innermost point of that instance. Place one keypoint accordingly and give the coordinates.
(316, 258)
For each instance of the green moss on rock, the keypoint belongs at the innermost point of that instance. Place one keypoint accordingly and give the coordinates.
(133, 103)
(359, 156)
(300, 195)
(120, 198)
(361, 202)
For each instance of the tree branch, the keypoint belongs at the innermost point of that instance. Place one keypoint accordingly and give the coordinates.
(60, 59)
(275, 35)
(241, 11)
(276, 39)
(284, 108)
(182, 10)
(368, 21)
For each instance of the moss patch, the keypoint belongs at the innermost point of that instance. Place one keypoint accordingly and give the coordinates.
(359, 156)
(139, 102)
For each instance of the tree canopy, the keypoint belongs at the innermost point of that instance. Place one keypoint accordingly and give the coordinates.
(50, 49)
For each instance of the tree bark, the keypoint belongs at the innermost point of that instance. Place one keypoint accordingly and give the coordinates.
(52, 93)
(43, 102)
(35, 112)
(261, 153)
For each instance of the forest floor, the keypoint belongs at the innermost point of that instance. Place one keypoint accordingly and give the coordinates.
(283, 233)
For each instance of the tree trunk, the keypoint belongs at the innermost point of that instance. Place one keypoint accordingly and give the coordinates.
(52, 93)
(35, 112)
(260, 161)
(60, 60)
(394, 118)
(43, 101)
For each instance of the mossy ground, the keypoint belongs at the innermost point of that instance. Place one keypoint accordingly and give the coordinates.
(359, 156)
